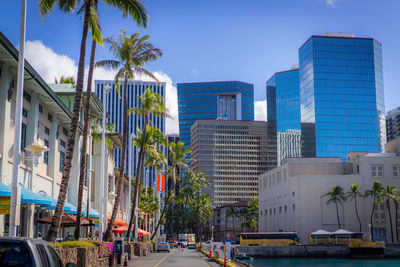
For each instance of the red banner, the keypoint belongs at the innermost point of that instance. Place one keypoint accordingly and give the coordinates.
(160, 182)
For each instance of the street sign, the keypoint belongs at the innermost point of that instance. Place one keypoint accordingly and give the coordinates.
(5, 205)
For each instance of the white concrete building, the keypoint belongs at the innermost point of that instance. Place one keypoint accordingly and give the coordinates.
(46, 118)
(291, 197)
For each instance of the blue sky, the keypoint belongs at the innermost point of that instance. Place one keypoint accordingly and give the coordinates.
(213, 40)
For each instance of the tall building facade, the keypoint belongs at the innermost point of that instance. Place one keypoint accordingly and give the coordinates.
(114, 109)
(232, 154)
(341, 93)
(283, 106)
(393, 124)
(230, 100)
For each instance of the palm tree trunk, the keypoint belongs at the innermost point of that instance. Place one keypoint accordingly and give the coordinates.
(372, 220)
(162, 214)
(358, 217)
(390, 220)
(337, 214)
(122, 167)
(85, 134)
(136, 186)
(396, 223)
(56, 220)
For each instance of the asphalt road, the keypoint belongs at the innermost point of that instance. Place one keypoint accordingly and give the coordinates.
(175, 258)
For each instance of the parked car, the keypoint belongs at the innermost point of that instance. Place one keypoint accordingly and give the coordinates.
(163, 246)
(28, 252)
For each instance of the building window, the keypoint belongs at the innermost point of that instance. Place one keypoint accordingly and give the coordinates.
(46, 153)
(62, 143)
(62, 161)
(110, 184)
(293, 194)
(65, 131)
(396, 170)
(293, 206)
(86, 171)
(49, 117)
(40, 108)
(285, 208)
(27, 97)
(377, 170)
(23, 136)
(24, 113)
(46, 130)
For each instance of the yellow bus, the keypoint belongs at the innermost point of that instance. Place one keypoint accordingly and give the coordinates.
(269, 239)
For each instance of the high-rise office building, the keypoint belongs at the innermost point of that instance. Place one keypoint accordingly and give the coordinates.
(341, 94)
(114, 110)
(232, 154)
(231, 100)
(283, 106)
(393, 124)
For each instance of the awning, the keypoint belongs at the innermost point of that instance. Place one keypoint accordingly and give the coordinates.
(5, 191)
(118, 221)
(92, 212)
(53, 202)
(73, 209)
(27, 196)
(67, 220)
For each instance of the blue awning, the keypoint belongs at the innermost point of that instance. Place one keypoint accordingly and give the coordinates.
(5, 191)
(92, 212)
(73, 209)
(53, 202)
(28, 197)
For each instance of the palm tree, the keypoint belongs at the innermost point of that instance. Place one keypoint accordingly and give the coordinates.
(375, 192)
(355, 191)
(178, 156)
(336, 195)
(396, 201)
(387, 196)
(131, 54)
(132, 8)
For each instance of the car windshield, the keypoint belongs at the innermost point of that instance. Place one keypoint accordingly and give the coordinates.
(14, 254)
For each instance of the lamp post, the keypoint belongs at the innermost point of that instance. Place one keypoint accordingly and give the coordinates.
(107, 88)
(15, 189)
(212, 233)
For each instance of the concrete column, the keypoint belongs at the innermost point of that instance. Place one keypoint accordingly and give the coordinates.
(54, 156)
(32, 133)
(29, 215)
(5, 109)
(74, 179)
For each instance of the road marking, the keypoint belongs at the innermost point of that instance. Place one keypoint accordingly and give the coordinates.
(163, 259)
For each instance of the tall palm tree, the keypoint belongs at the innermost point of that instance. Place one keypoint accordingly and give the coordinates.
(387, 196)
(396, 201)
(178, 156)
(375, 192)
(336, 195)
(131, 53)
(132, 8)
(355, 191)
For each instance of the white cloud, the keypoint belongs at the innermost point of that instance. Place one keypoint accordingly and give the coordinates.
(48, 63)
(260, 110)
(330, 2)
(51, 65)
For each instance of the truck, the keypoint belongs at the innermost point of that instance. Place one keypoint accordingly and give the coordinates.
(23, 251)
(183, 240)
(191, 241)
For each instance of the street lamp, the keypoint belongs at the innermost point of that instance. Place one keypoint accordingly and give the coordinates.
(36, 149)
(107, 88)
(212, 233)
(15, 189)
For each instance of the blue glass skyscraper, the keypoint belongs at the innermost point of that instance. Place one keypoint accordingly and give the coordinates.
(283, 111)
(231, 100)
(341, 94)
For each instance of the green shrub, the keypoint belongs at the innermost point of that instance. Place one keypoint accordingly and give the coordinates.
(74, 244)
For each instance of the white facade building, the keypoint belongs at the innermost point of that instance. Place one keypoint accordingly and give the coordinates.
(292, 196)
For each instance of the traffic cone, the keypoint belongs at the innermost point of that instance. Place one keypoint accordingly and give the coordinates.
(126, 262)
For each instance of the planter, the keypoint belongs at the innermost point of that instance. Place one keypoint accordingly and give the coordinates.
(87, 257)
(103, 262)
(138, 249)
(67, 255)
